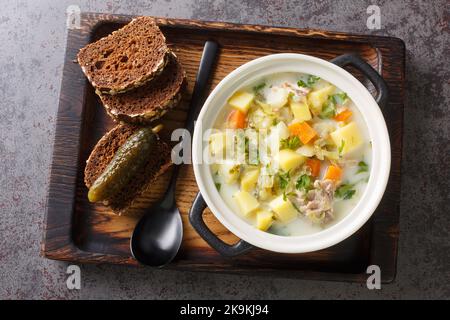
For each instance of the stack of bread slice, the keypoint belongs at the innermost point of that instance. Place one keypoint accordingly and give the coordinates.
(138, 79)
(134, 72)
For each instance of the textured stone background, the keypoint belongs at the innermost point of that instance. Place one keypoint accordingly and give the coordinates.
(33, 37)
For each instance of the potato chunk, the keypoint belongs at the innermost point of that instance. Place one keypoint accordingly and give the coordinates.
(318, 98)
(246, 202)
(301, 111)
(264, 219)
(217, 143)
(249, 179)
(284, 210)
(347, 138)
(289, 159)
(241, 100)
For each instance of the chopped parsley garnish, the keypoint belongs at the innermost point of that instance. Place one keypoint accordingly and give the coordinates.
(247, 145)
(341, 147)
(283, 180)
(218, 185)
(340, 98)
(345, 191)
(285, 195)
(363, 167)
(328, 110)
(290, 143)
(303, 182)
(259, 87)
(295, 206)
(309, 83)
(312, 80)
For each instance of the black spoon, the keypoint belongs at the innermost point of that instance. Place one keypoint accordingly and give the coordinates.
(157, 237)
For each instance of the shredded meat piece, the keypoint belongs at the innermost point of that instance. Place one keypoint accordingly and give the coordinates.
(317, 204)
(297, 91)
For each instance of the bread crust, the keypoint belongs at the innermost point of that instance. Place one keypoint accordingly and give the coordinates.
(103, 153)
(151, 101)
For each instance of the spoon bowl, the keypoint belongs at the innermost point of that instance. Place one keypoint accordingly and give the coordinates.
(157, 236)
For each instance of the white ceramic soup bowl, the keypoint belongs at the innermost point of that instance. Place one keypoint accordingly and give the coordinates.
(363, 100)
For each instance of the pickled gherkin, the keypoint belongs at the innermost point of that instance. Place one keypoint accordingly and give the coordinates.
(128, 160)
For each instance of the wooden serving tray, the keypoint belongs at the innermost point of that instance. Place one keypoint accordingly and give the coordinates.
(79, 231)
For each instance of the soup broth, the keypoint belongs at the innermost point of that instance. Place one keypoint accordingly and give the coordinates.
(291, 154)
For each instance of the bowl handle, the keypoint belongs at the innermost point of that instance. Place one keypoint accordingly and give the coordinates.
(196, 219)
(378, 82)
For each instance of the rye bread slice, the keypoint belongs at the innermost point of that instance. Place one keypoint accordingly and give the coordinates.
(127, 58)
(104, 151)
(150, 101)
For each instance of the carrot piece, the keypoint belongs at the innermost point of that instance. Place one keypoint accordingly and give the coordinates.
(333, 173)
(303, 130)
(236, 119)
(344, 115)
(314, 164)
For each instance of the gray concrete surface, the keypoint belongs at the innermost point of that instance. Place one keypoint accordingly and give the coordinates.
(32, 39)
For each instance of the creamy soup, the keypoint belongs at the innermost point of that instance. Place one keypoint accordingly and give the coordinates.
(290, 154)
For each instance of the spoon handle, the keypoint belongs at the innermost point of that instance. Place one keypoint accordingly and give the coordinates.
(201, 83)
(198, 98)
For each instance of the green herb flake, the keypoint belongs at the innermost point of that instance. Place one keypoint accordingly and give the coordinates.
(290, 143)
(341, 147)
(312, 80)
(302, 83)
(303, 182)
(328, 110)
(218, 185)
(340, 98)
(283, 180)
(290, 194)
(362, 167)
(247, 145)
(295, 207)
(345, 191)
(259, 87)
